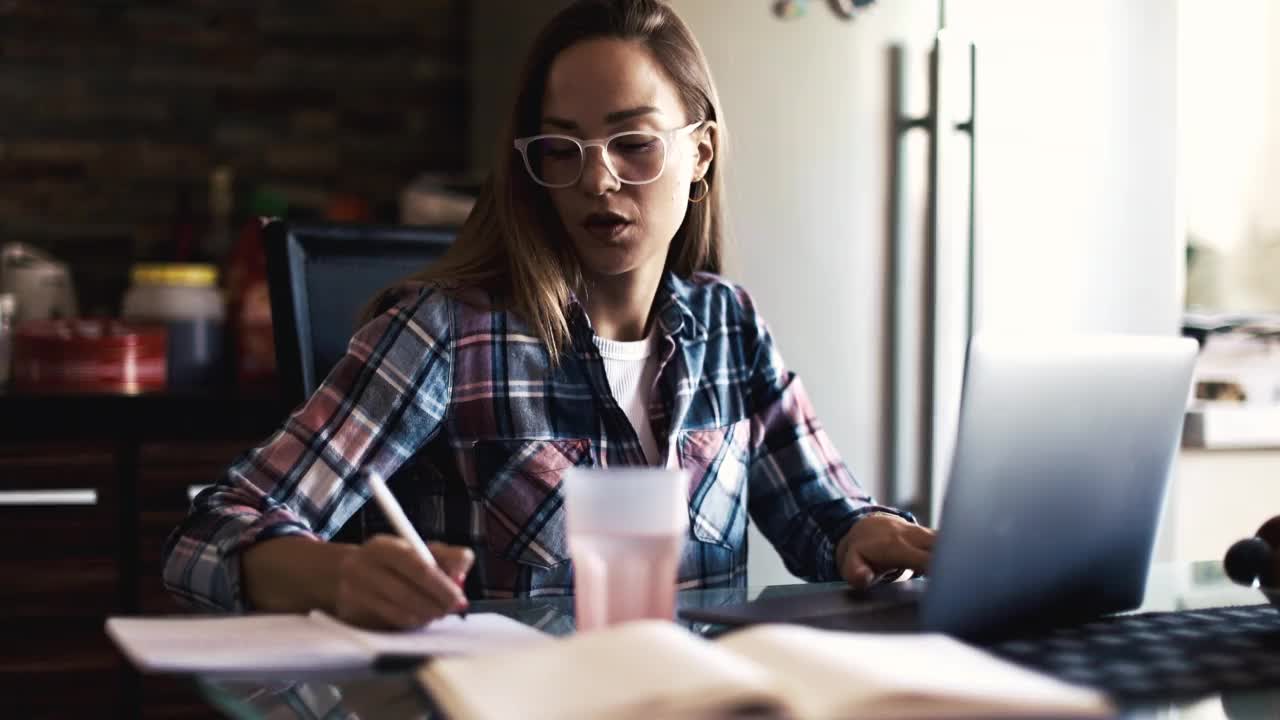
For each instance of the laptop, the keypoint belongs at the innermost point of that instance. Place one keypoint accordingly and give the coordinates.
(1060, 469)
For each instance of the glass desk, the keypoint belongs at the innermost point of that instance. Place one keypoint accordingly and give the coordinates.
(365, 694)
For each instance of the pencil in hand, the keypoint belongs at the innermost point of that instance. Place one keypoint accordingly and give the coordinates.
(400, 523)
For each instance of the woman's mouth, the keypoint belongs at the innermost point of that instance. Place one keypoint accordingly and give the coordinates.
(605, 226)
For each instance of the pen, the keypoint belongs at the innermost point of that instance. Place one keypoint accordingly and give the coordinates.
(402, 526)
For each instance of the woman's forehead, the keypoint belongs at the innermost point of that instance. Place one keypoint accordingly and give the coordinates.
(593, 79)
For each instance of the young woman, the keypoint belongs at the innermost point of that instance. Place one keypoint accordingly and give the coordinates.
(578, 320)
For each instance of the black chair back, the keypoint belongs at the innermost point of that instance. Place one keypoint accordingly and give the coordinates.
(321, 276)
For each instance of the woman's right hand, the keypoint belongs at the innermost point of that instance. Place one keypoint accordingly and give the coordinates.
(383, 584)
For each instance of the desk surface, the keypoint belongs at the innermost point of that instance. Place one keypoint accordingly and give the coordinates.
(363, 694)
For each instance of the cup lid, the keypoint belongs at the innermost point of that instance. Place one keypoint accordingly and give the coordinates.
(626, 500)
(184, 274)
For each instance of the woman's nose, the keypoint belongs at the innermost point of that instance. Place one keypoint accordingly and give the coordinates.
(596, 178)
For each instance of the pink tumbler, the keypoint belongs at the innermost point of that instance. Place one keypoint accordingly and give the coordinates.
(626, 528)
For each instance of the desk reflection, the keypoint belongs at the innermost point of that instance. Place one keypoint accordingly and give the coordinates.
(397, 696)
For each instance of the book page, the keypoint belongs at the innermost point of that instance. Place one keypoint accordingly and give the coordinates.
(450, 635)
(233, 644)
(835, 674)
(643, 669)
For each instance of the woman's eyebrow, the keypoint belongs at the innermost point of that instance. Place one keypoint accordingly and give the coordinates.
(612, 118)
(560, 123)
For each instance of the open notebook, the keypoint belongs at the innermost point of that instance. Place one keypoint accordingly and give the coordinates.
(657, 669)
(256, 644)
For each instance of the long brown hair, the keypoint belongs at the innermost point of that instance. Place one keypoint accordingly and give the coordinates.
(514, 243)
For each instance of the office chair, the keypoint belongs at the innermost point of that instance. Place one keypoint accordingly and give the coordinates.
(320, 277)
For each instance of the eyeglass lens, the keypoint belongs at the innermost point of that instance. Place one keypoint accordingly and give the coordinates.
(634, 157)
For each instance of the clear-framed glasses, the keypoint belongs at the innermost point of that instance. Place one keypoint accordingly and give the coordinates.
(634, 157)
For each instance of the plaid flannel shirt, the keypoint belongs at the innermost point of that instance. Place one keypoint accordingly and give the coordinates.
(459, 400)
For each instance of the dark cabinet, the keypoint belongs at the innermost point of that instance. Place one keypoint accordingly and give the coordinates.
(90, 487)
(58, 509)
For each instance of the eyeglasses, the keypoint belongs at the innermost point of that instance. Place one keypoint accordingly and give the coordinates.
(635, 157)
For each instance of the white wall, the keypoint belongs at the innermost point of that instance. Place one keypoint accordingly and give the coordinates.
(1077, 193)
(1230, 144)
(1078, 218)
(1076, 166)
(806, 104)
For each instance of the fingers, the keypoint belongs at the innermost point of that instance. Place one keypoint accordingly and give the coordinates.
(369, 596)
(421, 595)
(397, 556)
(880, 543)
(385, 584)
(860, 569)
(900, 555)
(386, 608)
(921, 537)
(856, 572)
(455, 561)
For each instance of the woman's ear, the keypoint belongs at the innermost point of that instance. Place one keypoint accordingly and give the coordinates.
(705, 137)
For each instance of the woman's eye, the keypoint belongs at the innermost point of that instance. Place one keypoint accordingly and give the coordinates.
(636, 146)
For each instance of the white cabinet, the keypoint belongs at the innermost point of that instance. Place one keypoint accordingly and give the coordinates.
(1217, 497)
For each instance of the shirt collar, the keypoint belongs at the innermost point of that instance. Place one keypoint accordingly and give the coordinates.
(674, 315)
(673, 308)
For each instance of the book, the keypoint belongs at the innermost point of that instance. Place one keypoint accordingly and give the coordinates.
(277, 643)
(658, 669)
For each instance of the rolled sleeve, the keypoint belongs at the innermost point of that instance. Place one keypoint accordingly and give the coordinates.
(801, 494)
(384, 399)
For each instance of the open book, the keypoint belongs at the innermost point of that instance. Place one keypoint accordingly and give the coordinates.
(657, 669)
(256, 644)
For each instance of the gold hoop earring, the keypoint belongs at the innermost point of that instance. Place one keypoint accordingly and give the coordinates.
(706, 190)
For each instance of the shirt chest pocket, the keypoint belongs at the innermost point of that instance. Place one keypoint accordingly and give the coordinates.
(717, 462)
(519, 487)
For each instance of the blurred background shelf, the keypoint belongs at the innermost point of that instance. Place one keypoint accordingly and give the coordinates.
(1232, 428)
(90, 487)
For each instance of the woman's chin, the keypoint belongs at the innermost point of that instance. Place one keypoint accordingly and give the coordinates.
(609, 260)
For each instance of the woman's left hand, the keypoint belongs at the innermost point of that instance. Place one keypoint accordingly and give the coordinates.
(880, 542)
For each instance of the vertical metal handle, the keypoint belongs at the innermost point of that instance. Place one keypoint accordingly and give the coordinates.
(969, 127)
(900, 312)
(921, 366)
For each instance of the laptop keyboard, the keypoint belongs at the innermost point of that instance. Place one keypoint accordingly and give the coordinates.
(1158, 655)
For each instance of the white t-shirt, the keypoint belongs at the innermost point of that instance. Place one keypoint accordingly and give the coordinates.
(631, 368)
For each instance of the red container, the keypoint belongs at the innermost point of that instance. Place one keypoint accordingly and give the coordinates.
(89, 355)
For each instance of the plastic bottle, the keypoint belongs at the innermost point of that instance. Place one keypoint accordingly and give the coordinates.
(249, 302)
(186, 299)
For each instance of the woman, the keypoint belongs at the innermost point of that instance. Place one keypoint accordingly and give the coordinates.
(577, 321)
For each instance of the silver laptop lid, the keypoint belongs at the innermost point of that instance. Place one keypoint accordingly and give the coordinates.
(1059, 474)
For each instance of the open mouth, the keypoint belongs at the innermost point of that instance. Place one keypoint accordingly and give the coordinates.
(607, 224)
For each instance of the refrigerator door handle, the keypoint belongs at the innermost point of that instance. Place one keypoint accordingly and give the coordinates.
(929, 334)
(900, 316)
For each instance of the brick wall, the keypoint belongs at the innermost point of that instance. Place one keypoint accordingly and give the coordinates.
(110, 109)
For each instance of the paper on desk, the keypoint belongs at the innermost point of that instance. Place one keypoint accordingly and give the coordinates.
(450, 635)
(257, 644)
(233, 644)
